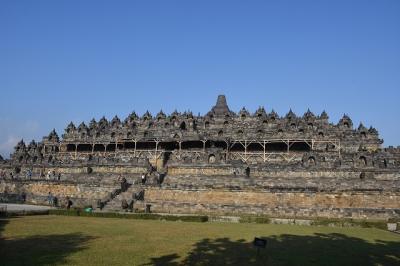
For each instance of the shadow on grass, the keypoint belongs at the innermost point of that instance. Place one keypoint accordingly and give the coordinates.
(3, 222)
(40, 249)
(318, 249)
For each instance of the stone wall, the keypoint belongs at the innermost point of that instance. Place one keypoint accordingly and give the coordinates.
(372, 205)
(260, 172)
(37, 191)
(82, 169)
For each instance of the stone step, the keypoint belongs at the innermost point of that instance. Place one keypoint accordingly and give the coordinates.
(115, 204)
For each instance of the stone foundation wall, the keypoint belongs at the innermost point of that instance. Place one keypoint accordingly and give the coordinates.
(37, 191)
(229, 170)
(331, 205)
(226, 189)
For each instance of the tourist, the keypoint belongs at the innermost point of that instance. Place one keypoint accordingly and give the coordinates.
(247, 172)
(100, 204)
(55, 201)
(143, 179)
(69, 203)
(50, 198)
(23, 197)
(124, 185)
(48, 175)
(130, 207)
(158, 178)
(59, 177)
(29, 174)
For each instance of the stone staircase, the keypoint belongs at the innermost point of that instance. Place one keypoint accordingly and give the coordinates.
(115, 204)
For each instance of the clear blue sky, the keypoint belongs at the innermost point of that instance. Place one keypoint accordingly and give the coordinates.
(63, 61)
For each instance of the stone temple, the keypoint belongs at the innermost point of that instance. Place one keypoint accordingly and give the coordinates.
(220, 163)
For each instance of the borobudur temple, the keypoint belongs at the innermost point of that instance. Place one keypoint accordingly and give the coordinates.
(220, 163)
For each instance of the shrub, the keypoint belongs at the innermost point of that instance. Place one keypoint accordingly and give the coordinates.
(6, 214)
(255, 219)
(350, 222)
(143, 216)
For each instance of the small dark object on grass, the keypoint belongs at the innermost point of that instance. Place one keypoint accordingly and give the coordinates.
(259, 243)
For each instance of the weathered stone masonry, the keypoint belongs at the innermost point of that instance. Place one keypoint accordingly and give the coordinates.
(222, 162)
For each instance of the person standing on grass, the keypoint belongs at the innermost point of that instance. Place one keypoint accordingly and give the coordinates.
(69, 203)
(55, 201)
(23, 196)
(50, 198)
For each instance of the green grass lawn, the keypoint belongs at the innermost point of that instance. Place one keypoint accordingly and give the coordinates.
(62, 240)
